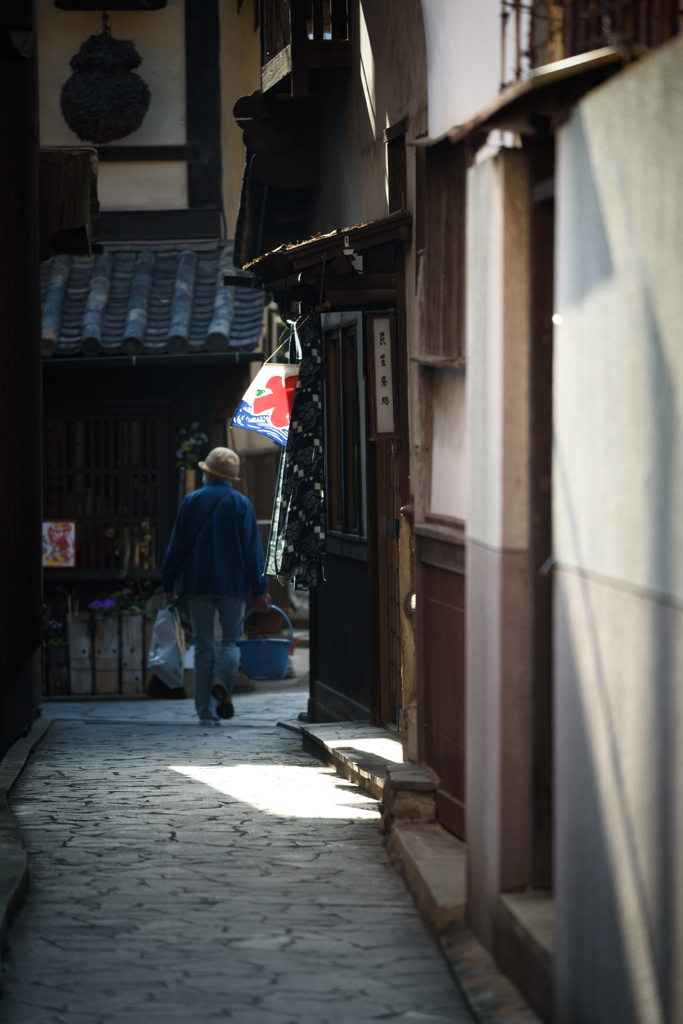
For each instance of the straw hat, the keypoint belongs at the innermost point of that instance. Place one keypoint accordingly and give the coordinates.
(222, 462)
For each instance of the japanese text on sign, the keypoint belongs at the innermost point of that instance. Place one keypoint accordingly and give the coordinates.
(384, 386)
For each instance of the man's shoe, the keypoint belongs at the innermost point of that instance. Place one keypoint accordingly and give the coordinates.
(209, 721)
(224, 708)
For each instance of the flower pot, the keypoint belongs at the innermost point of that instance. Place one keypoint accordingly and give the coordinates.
(269, 622)
(80, 653)
(106, 654)
(190, 480)
(57, 670)
(132, 650)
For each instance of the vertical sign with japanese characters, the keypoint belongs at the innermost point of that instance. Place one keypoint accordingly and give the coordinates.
(384, 381)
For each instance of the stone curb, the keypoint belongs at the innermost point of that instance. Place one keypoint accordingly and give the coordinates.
(490, 995)
(292, 726)
(13, 859)
(368, 771)
(432, 863)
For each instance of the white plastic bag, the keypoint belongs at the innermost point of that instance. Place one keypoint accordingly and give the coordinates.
(167, 649)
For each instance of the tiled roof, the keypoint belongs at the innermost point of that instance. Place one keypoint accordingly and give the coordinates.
(147, 300)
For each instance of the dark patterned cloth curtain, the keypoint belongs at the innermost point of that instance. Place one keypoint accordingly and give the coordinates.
(297, 532)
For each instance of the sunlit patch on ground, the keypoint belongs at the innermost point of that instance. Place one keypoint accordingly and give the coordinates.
(286, 791)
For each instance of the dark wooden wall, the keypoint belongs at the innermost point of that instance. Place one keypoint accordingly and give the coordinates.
(340, 665)
(20, 415)
(441, 652)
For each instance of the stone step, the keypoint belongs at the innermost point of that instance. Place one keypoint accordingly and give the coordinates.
(360, 753)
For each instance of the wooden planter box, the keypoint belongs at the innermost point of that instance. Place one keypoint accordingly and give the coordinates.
(106, 653)
(79, 632)
(133, 635)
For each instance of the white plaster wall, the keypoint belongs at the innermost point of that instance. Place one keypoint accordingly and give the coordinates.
(449, 445)
(484, 327)
(618, 808)
(497, 326)
(142, 185)
(618, 477)
(618, 519)
(463, 58)
(159, 38)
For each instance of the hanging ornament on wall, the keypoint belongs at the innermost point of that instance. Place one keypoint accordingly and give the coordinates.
(104, 99)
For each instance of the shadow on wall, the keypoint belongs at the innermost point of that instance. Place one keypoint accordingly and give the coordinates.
(591, 261)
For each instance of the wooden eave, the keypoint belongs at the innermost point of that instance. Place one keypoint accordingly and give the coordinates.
(327, 53)
(288, 261)
(547, 91)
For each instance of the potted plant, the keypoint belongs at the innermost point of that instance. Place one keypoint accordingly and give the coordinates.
(189, 441)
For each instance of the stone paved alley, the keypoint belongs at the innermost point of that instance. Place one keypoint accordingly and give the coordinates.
(187, 875)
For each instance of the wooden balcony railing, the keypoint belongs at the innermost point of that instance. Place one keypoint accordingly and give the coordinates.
(302, 35)
(536, 32)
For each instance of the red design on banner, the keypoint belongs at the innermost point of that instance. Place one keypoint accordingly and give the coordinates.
(280, 401)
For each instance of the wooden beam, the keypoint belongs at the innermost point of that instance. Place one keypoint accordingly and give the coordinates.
(288, 262)
(117, 154)
(318, 20)
(203, 104)
(299, 74)
(339, 19)
(276, 69)
(328, 53)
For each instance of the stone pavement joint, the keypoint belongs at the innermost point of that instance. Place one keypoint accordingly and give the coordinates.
(188, 876)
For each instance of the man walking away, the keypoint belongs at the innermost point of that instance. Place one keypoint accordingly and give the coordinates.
(215, 546)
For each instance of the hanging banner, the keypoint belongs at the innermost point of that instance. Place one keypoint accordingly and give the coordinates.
(266, 405)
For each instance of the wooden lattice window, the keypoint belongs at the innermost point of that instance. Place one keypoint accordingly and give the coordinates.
(107, 471)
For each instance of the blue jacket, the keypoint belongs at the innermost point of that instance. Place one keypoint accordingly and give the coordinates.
(227, 557)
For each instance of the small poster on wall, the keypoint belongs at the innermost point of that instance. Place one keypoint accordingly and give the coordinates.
(59, 544)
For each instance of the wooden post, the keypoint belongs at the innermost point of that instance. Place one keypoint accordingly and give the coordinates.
(178, 337)
(318, 20)
(339, 19)
(100, 284)
(299, 73)
(136, 320)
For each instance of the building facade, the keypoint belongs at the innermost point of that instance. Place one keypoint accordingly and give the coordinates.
(500, 573)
